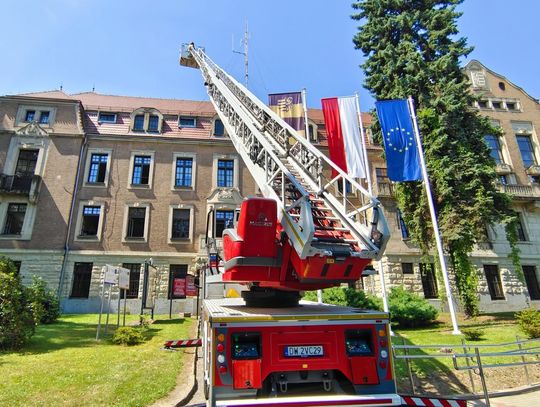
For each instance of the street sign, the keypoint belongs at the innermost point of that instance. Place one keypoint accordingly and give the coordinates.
(179, 287)
(111, 274)
(191, 290)
(123, 278)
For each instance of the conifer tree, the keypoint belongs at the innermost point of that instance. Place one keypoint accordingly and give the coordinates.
(412, 48)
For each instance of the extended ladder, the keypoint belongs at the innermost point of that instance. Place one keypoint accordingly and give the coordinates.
(295, 173)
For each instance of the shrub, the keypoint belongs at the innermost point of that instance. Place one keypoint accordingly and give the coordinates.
(473, 334)
(346, 296)
(409, 309)
(44, 302)
(529, 322)
(127, 336)
(16, 320)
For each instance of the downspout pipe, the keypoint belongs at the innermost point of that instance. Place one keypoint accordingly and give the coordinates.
(71, 213)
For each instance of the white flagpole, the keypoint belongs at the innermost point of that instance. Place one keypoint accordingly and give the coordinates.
(364, 148)
(306, 124)
(438, 240)
(383, 290)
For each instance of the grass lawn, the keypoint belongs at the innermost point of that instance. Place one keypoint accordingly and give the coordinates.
(64, 365)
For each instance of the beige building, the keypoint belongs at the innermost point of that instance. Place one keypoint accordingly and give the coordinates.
(89, 180)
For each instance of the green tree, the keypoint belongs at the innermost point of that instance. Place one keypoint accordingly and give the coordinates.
(412, 49)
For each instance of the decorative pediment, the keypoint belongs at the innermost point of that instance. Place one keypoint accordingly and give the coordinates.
(225, 196)
(32, 129)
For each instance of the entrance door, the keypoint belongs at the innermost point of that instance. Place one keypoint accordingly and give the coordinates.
(429, 281)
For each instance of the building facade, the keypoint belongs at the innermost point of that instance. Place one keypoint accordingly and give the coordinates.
(90, 179)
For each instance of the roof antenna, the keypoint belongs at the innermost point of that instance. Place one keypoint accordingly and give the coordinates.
(245, 41)
(94, 87)
(61, 86)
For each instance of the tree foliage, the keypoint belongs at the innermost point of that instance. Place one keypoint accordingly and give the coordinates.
(412, 49)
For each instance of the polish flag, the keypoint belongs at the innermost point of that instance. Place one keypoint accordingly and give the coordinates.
(344, 140)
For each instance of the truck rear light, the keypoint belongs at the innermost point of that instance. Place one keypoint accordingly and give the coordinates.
(221, 359)
(222, 369)
(221, 337)
(382, 333)
(382, 364)
(384, 354)
(383, 343)
(220, 347)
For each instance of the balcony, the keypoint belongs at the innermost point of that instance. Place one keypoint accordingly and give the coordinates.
(503, 169)
(384, 189)
(27, 185)
(522, 192)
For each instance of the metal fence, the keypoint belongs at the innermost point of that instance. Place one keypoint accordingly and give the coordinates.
(473, 358)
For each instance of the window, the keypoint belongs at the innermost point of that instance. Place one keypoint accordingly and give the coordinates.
(526, 149)
(181, 224)
(153, 123)
(496, 104)
(511, 105)
(429, 282)
(90, 221)
(136, 223)
(14, 219)
(534, 179)
(25, 170)
(30, 116)
(98, 168)
(105, 117)
(44, 117)
(503, 179)
(313, 137)
(141, 170)
(225, 173)
(407, 268)
(482, 104)
(502, 86)
(183, 172)
(219, 128)
(348, 186)
(138, 122)
(531, 279)
(494, 148)
(185, 121)
(176, 271)
(224, 220)
(134, 279)
(402, 226)
(493, 279)
(82, 275)
(521, 235)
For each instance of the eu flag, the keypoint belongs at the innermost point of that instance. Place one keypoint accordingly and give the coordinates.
(399, 142)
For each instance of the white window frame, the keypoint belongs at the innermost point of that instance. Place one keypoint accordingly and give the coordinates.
(28, 223)
(89, 153)
(236, 168)
(313, 138)
(132, 165)
(107, 121)
(180, 117)
(177, 155)
(21, 115)
(189, 207)
(146, 112)
(144, 239)
(78, 225)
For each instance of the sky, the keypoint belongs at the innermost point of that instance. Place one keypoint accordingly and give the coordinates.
(131, 47)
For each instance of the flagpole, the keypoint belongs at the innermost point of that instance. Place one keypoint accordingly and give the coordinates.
(306, 124)
(438, 240)
(383, 290)
(364, 148)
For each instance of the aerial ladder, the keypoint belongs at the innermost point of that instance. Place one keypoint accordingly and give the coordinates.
(301, 235)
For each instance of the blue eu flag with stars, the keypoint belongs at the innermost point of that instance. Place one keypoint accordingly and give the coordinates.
(399, 142)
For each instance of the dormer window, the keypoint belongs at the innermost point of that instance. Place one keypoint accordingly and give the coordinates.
(106, 117)
(219, 128)
(496, 104)
(482, 104)
(30, 115)
(146, 120)
(186, 121)
(43, 115)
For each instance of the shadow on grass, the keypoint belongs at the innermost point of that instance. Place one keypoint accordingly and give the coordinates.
(65, 334)
(429, 375)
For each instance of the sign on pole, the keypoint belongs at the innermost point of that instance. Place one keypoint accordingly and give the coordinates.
(111, 274)
(191, 290)
(179, 287)
(123, 278)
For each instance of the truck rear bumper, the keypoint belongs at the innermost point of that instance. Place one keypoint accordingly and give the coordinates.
(364, 401)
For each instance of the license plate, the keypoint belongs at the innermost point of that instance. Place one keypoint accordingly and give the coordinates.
(305, 351)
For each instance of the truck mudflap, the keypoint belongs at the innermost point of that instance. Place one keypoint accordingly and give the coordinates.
(314, 401)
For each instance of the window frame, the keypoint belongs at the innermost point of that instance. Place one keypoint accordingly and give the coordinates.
(224, 226)
(180, 240)
(89, 154)
(6, 219)
(28, 222)
(531, 146)
(181, 155)
(132, 164)
(133, 271)
(214, 123)
(100, 120)
(78, 226)
(407, 272)
(38, 109)
(500, 159)
(130, 239)
(146, 113)
(193, 118)
(236, 169)
(492, 290)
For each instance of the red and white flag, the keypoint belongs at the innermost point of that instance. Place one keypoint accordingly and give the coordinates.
(345, 145)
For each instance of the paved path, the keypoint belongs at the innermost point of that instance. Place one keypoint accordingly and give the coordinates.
(531, 399)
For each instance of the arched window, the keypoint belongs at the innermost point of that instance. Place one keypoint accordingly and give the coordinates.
(146, 120)
(219, 128)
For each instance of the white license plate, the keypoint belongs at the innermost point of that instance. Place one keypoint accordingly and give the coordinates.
(304, 351)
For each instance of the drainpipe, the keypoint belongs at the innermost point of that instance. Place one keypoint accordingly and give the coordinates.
(71, 213)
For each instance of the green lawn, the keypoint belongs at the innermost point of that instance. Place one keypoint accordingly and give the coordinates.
(65, 366)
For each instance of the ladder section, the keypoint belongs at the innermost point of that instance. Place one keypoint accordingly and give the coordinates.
(294, 174)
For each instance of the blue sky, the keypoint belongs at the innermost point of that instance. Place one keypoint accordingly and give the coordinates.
(131, 47)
